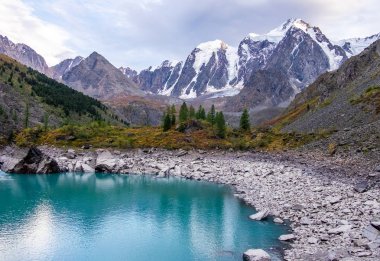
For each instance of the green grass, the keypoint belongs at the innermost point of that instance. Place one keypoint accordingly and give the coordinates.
(370, 99)
(100, 135)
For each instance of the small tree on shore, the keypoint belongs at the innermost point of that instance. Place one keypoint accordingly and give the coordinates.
(220, 125)
(211, 115)
(244, 121)
(183, 113)
(191, 112)
(201, 113)
(167, 122)
(173, 112)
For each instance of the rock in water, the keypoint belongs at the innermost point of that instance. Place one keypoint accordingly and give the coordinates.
(256, 255)
(260, 215)
(288, 237)
(36, 162)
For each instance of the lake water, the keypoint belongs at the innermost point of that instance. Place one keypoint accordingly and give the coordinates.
(121, 217)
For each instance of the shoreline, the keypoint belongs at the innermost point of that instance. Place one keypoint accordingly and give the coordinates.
(319, 196)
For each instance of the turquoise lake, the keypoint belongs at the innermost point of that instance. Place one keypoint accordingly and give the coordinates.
(122, 217)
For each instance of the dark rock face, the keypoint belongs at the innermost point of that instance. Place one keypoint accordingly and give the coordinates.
(57, 71)
(35, 162)
(130, 73)
(253, 57)
(24, 54)
(156, 80)
(98, 78)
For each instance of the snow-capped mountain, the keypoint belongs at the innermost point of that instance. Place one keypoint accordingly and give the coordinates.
(354, 46)
(221, 70)
(24, 54)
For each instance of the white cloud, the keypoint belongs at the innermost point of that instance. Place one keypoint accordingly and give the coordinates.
(21, 25)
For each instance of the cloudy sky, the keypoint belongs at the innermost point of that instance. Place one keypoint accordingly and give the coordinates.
(140, 33)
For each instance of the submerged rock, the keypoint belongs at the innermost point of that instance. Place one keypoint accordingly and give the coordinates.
(256, 255)
(260, 215)
(35, 162)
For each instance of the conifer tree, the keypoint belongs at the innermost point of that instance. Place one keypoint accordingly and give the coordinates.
(244, 121)
(183, 113)
(220, 125)
(173, 117)
(211, 115)
(167, 122)
(26, 122)
(191, 112)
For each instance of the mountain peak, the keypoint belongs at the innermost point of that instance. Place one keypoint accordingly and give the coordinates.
(279, 32)
(213, 45)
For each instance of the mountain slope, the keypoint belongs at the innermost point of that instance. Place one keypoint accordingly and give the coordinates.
(98, 78)
(29, 98)
(346, 98)
(23, 54)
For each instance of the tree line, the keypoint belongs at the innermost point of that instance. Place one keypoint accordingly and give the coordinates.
(215, 118)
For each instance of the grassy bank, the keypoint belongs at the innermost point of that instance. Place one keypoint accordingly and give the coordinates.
(99, 135)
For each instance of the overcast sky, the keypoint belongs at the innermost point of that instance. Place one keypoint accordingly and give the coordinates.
(140, 33)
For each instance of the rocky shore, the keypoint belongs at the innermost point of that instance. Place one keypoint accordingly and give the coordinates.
(333, 205)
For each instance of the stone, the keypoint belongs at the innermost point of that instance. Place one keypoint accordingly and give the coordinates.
(333, 200)
(371, 233)
(340, 229)
(105, 162)
(278, 221)
(377, 169)
(361, 187)
(312, 240)
(376, 224)
(305, 221)
(260, 215)
(36, 162)
(288, 237)
(256, 255)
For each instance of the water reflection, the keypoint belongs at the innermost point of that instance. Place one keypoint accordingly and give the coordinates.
(116, 217)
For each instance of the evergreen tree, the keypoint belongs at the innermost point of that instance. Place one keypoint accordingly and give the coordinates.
(244, 121)
(203, 114)
(167, 122)
(26, 122)
(220, 125)
(183, 113)
(211, 115)
(173, 112)
(192, 112)
(46, 121)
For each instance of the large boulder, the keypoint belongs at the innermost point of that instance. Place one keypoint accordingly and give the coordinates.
(105, 162)
(256, 255)
(36, 162)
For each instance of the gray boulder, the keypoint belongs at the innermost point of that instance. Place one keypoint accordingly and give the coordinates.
(256, 255)
(105, 162)
(36, 162)
(288, 237)
(361, 187)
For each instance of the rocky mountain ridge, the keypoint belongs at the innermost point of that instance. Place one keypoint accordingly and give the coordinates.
(215, 67)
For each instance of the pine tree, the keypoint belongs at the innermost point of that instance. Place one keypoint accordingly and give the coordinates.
(211, 115)
(203, 114)
(173, 112)
(191, 112)
(46, 121)
(244, 121)
(26, 122)
(220, 125)
(167, 122)
(183, 113)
